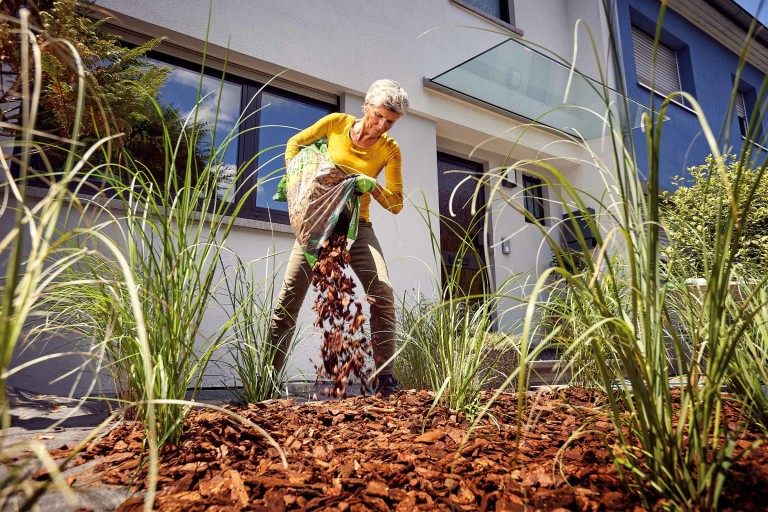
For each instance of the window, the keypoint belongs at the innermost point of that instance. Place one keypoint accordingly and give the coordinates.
(278, 112)
(178, 99)
(533, 198)
(741, 114)
(494, 10)
(264, 118)
(577, 224)
(667, 72)
(745, 101)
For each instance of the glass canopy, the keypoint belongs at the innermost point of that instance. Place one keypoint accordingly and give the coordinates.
(519, 80)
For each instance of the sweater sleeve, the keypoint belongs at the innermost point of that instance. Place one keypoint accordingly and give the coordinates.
(317, 131)
(391, 196)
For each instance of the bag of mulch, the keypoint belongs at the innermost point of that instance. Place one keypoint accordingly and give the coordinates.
(321, 199)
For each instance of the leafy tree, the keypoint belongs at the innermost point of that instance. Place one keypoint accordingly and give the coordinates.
(702, 200)
(112, 71)
(122, 84)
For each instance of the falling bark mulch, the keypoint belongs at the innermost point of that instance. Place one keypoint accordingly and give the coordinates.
(365, 453)
(340, 317)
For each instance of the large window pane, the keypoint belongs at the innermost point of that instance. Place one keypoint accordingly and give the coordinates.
(280, 118)
(218, 109)
(213, 109)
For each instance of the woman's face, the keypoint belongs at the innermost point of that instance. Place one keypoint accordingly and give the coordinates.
(378, 120)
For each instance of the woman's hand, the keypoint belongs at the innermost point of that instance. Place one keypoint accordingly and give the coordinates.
(365, 184)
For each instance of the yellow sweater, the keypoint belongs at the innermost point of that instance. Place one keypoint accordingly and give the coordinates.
(351, 158)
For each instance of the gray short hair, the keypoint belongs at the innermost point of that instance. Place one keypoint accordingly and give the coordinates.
(388, 94)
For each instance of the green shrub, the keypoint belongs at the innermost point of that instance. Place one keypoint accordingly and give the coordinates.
(412, 363)
(697, 211)
(448, 347)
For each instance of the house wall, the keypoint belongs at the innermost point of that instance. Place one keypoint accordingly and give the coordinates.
(707, 71)
(339, 47)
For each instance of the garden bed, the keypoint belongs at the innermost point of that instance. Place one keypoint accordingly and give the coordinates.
(365, 453)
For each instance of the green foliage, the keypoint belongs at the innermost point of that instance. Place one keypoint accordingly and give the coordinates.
(412, 363)
(674, 450)
(567, 315)
(446, 343)
(37, 253)
(136, 286)
(748, 377)
(446, 347)
(700, 207)
(174, 256)
(111, 71)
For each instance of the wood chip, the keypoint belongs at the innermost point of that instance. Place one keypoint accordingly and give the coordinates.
(430, 437)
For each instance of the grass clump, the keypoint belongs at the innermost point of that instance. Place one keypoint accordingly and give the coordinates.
(567, 329)
(250, 347)
(41, 246)
(449, 343)
(625, 303)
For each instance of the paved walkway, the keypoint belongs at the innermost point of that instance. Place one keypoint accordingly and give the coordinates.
(58, 422)
(35, 414)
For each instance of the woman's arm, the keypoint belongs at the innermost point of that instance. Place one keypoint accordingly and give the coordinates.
(391, 195)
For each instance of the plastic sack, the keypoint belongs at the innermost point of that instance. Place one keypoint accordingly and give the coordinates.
(321, 198)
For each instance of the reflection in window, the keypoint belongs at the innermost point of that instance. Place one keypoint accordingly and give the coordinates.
(9, 106)
(281, 117)
(216, 111)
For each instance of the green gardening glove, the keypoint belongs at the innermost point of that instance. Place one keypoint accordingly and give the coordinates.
(364, 184)
(281, 194)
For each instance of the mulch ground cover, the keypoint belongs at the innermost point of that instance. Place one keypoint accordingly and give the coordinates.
(365, 453)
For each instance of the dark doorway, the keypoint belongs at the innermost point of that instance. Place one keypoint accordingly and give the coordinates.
(462, 235)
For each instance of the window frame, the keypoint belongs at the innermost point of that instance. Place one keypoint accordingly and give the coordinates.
(746, 93)
(740, 109)
(250, 209)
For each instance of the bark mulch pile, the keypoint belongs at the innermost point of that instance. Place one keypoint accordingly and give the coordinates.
(364, 453)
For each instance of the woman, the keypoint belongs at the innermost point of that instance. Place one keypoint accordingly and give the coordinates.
(358, 146)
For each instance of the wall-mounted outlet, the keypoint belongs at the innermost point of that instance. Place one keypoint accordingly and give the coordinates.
(506, 246)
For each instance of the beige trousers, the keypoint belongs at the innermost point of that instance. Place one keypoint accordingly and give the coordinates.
(367, 261)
